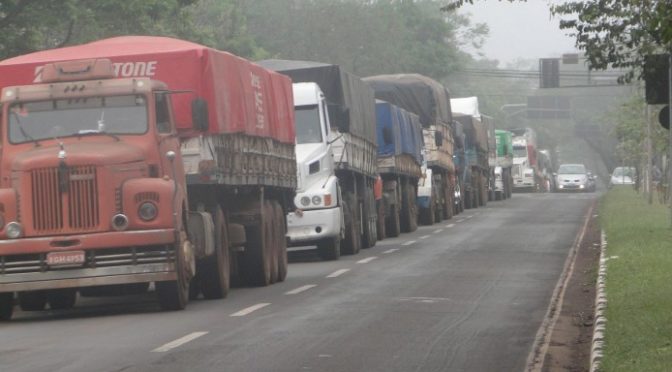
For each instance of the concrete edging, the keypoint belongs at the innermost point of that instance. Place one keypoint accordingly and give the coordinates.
(600, 319)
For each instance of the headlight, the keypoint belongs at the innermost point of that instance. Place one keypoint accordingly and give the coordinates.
(317, 200)
(14, 230)
(305, 201)
(147, 211)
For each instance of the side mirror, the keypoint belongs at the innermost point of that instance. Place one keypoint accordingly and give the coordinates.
(387, 135)
(438, 139)
(199, 114)
(340, 116)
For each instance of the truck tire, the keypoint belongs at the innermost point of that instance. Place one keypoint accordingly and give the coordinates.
(499, 195)
(448, 206)
(353, 238)
(6, 306)
(382, 234)
(393, 225)
(409, 221)
(33, 300)
(258, 251)
(174, 294)
(329, 249)
(281, 241)
(369, 234)
(438, 214)
(427, 215)
(215, 271)
(62, 299)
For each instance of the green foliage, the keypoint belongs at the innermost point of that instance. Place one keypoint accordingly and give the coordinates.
(628, 125)
(366, 37)
(29, 25)
(639, 330)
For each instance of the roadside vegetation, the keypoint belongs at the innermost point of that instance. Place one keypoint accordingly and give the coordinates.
(639, 289)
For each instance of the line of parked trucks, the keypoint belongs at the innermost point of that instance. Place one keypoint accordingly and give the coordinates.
(138, 160)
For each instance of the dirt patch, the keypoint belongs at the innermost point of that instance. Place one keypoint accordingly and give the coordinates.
(571, 337)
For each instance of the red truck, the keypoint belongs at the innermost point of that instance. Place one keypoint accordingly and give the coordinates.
(134, 160)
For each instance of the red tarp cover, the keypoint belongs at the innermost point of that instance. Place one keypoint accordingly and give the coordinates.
(242, 97)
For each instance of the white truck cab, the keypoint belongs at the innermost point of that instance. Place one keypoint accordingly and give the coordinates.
(318, 218)
(523, 173)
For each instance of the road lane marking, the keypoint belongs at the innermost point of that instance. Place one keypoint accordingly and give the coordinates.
(409, 242)
(367, 260)
(301, 289)
(468, 217)
(458, 221)
(250, 309)
(450, 225)
(438, 231)
(424, 236)
(338, 273)
(179, 342)
(391, 250)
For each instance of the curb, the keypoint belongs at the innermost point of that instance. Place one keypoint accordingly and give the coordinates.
(600, 310)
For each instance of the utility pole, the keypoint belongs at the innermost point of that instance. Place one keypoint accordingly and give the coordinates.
(649, 154)
(669, 131)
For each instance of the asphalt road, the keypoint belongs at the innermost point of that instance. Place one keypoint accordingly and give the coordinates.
(468, 294)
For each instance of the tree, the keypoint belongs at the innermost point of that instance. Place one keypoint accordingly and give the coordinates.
(29, 25)
(613, 33)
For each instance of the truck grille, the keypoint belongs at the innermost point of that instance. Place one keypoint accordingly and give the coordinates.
(32, 263)
(80, 198)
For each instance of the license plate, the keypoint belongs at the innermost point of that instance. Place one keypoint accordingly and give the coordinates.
(71, 258)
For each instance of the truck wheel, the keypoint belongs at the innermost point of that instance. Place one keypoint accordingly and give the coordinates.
(393, 225)
(369, 234)
(498, 195)
(257, 258)
(413, 209)
(329, 249)
(174, 294)
(448, 206)
(33, 300)
(215, 271)
(381, 221)
(62, 299)
(438, 214)
(427, 215)
(6, 305)
(272, 236)
(281, 241)
(353, 239)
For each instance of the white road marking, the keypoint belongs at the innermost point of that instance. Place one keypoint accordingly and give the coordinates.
(301, 289)
(424, 236)
(458, 221)
(409, 242)
(450, 225)
(250, 309)
(468, 217)
(179, 342)
(391, 250)
(438, 231)
(367, 260)
(338, 273)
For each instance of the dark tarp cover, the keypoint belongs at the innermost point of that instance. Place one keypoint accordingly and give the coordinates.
(404, 128)
(340, 88)
(416, 93)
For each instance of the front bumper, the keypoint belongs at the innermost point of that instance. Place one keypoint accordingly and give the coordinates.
(110, 258)
(572, 187)
(523, 182)
(313, 225)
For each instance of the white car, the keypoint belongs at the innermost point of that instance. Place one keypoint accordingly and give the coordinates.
(623, 176)
(572, 177)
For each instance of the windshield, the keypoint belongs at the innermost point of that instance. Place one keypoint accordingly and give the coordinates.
(308, 124)
(572, 169)
(519, 152)
(34, 121)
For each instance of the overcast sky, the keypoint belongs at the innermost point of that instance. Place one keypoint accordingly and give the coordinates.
(519, 30)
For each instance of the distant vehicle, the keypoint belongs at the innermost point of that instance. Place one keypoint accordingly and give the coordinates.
(572, 177)
(623, 176)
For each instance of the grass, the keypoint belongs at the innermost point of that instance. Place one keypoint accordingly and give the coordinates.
(639, 283)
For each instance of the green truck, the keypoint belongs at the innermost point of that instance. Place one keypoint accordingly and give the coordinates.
(504, 163)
